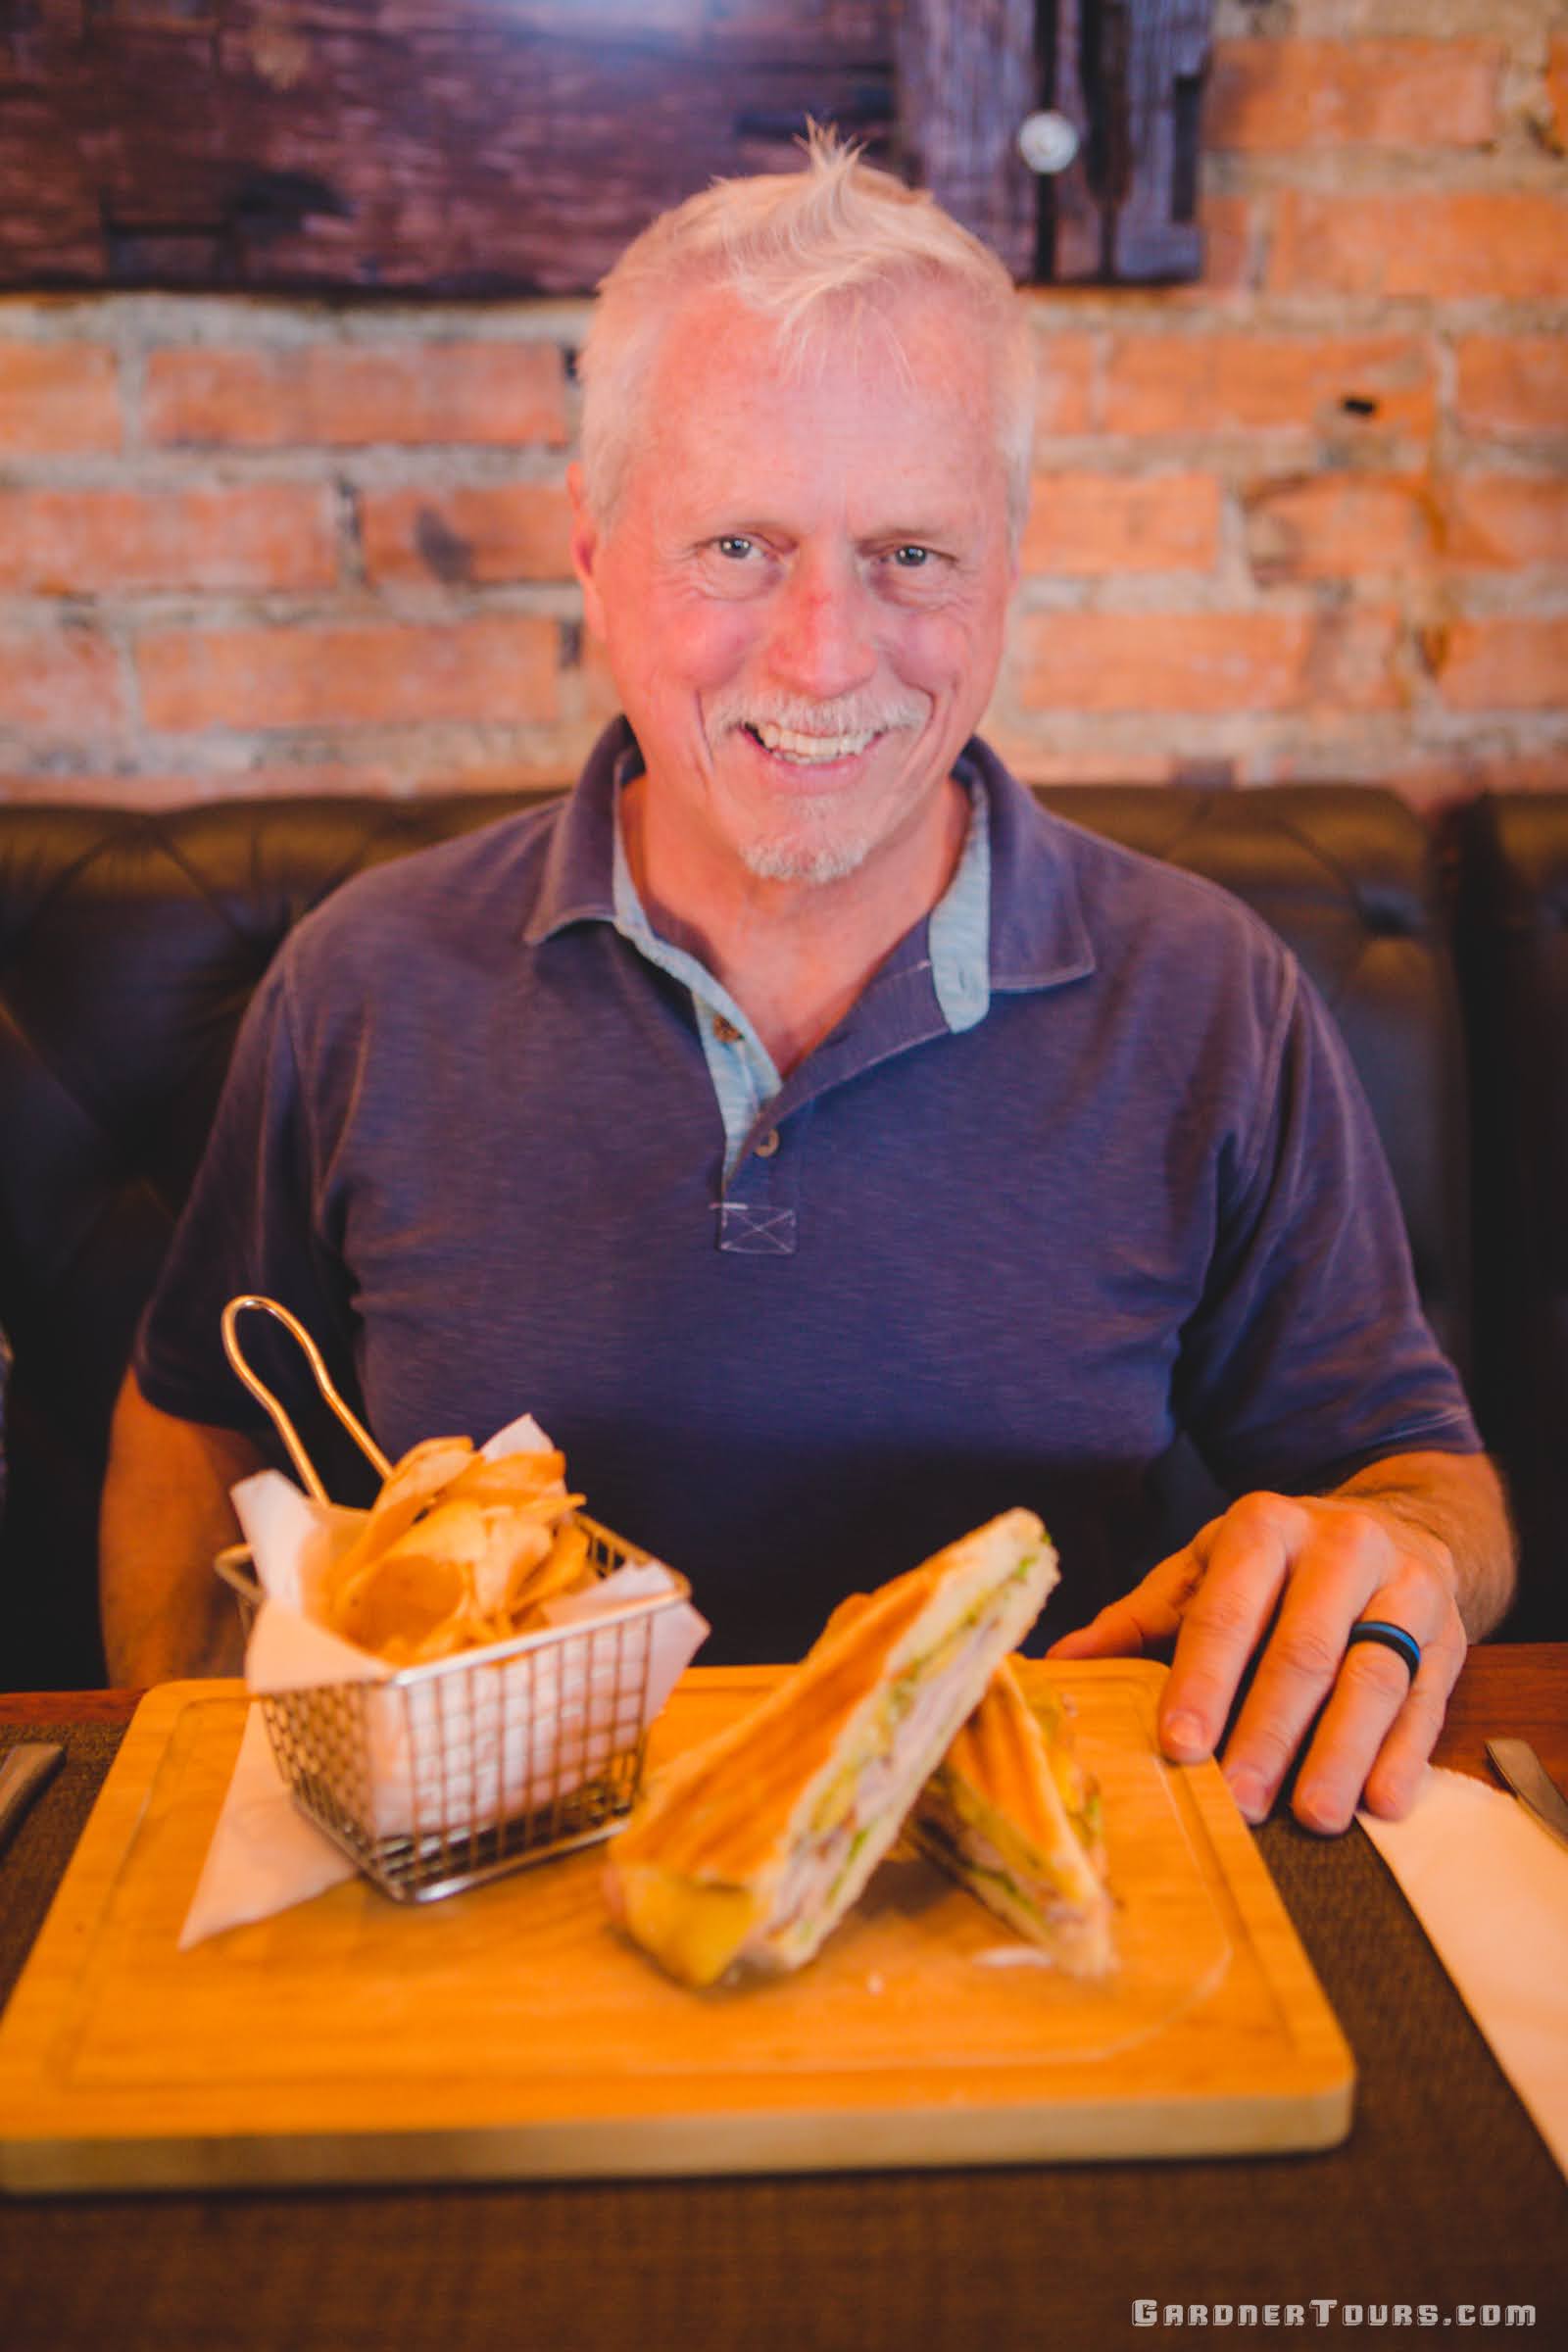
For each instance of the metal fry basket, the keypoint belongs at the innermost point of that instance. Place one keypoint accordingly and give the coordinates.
(444, 1775)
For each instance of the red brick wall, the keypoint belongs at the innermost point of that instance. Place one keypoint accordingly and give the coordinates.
(1309, 518)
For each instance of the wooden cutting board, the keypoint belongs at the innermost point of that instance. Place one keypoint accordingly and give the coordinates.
(509, 2032)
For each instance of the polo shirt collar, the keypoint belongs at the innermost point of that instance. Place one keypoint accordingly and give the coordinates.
(1039, 937)
(1034, 937)
(578, 883)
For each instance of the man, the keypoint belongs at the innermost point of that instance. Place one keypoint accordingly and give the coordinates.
(828, 1146)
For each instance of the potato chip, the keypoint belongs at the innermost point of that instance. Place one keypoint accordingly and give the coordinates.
(423, 1472)
(407, 1491)
(515, 1548)
(406, 1597)
(564, 1565)
(516, 1479)
(457, 1550)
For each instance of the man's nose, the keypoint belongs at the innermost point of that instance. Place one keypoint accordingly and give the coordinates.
(822, 641)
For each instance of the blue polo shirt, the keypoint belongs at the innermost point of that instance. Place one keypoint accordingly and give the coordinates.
(1084, 1172)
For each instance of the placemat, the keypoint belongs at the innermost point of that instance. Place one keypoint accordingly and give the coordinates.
(34, 1862)
(1443, 2196)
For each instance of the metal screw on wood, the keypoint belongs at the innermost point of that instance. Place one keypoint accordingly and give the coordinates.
(1047, 141)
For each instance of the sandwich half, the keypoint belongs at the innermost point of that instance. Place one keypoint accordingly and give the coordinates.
(750, 1847)
(1010, 1813)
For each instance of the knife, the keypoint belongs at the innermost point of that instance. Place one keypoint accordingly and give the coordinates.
(23, 1774)
(1519, 1765)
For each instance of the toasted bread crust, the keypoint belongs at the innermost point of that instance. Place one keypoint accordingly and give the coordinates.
(753, 1835)
(692, 1929)
(709, 1818)
(993, 1816)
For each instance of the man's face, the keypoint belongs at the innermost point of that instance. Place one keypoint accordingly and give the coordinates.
(804, 584)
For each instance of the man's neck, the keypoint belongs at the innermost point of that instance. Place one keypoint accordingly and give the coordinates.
(795, 955)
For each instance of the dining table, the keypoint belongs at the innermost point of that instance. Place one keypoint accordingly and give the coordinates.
(1441, 2208)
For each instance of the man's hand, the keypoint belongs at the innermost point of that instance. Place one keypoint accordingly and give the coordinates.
(1420, 1540)
(166, 1517)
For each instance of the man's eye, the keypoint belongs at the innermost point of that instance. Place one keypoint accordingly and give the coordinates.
(911, 559)
(736, 547)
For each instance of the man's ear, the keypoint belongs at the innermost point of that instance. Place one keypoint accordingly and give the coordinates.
(585, 545)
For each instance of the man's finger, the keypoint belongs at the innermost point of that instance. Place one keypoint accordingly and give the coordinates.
(1377, 1731)
(1310, 1675)
(1142, 1620)
(1248, 1557)
(1340, 1573)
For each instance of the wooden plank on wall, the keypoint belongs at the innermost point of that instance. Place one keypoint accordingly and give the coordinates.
(1127, 75)
(967, 76)
(451, 147)
(439, 146)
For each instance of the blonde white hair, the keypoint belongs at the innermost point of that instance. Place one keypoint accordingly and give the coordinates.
(813, 249)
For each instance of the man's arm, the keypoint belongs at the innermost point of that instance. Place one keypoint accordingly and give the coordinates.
(165, 1516)
(1419, 1540)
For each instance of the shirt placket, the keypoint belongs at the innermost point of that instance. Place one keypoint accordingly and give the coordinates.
(756, 1207)
(766, 1118)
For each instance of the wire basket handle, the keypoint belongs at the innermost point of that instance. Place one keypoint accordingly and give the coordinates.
(324, 1381)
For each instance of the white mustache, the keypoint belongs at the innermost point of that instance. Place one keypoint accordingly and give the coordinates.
(853, 714)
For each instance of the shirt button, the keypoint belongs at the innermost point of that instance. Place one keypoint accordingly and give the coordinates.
(767, 1145)
(725, 1031)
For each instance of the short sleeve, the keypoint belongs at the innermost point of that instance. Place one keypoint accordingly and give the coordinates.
(248, 1226)
(1309, 1354)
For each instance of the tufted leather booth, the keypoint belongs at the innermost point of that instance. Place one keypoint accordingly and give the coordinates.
(1508, 857)
(130, 944)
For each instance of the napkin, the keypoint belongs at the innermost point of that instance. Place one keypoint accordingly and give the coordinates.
(447, 1752)
(1490, 1889)
(264, 1855)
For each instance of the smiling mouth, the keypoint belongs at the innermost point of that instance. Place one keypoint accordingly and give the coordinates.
(809, 751)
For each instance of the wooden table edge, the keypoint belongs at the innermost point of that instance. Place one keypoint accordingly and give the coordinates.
(1517, 1687)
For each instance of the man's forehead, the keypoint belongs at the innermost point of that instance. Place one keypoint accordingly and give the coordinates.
(903, 386)
(930, 326)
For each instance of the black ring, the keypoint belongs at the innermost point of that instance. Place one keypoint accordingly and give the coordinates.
(1391, 1637)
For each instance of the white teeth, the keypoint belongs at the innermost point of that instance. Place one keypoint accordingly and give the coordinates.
(810, 747)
